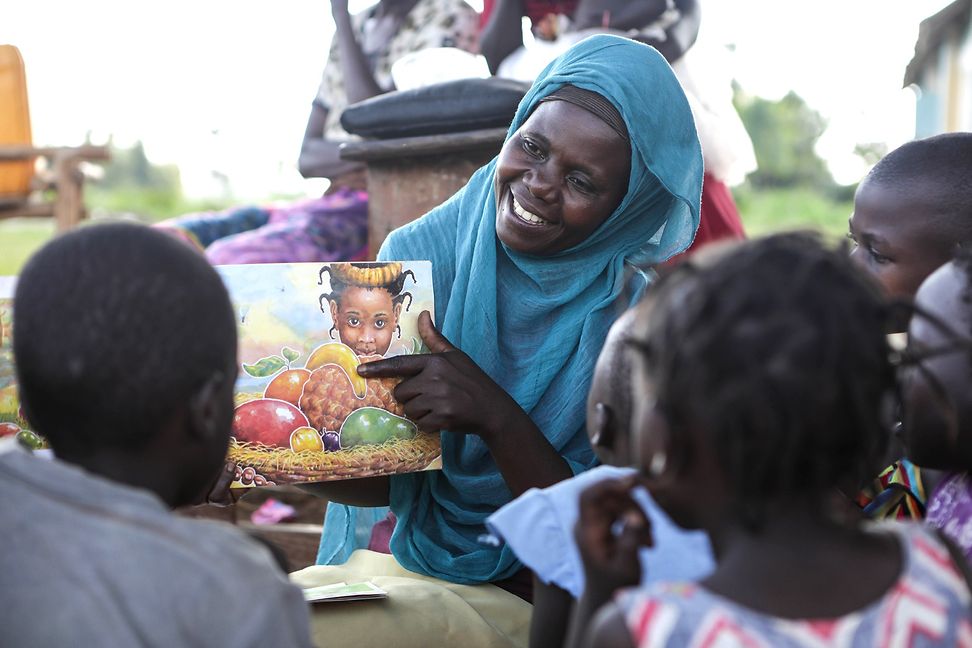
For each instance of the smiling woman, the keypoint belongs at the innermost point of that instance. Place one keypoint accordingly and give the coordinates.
(532, 262)
(553, 189)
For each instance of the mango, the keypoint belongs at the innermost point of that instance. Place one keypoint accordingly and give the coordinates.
(373, 426)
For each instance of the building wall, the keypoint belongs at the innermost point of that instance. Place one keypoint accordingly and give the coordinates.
(945, 101)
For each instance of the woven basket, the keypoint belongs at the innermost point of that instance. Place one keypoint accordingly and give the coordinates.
(281, 465)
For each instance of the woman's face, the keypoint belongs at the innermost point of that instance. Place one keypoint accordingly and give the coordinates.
(366, 319)
(559, 176)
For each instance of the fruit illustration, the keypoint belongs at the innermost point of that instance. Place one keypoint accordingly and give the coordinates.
(267, 421)
(372, 426)
(329, 398)
(332, 441)
(287, 385)
(30, 439)
(8, 429)
(344, 357)
(306, 438)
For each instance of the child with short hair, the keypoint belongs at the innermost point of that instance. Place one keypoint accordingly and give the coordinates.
(126, 359)
(910, 213)
(763, 385)
(912, 210)
(937, 395)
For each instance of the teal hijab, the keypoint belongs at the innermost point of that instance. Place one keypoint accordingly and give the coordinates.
(536, 324)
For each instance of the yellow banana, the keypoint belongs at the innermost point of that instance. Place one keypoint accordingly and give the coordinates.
(342, 356)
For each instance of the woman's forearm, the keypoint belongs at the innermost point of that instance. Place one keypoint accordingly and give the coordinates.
(523, 455)
(503, 32)
(319, 156)
(369, 491)
(359, 82)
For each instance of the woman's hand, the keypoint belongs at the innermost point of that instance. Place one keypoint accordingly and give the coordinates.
(610, 530)
(445, 389)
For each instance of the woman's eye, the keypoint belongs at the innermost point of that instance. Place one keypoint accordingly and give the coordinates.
(581, 184)
(380, 324)
(353, 321)
(531, 148)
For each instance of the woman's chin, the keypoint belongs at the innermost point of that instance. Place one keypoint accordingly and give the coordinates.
(520, 237)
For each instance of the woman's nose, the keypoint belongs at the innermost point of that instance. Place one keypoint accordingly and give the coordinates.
(540, 185)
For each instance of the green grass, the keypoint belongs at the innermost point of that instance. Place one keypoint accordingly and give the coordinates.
(768, 211)
(146, 204)
(19, 238)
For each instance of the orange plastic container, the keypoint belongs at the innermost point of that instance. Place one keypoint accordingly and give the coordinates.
(14, 122)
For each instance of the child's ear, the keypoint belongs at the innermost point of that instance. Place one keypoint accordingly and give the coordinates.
(334, 311)
(602, 436)
(207, 411)
(397, 310)
(654, 448)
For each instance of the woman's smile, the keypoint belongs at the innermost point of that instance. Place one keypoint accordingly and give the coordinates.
(525, 215)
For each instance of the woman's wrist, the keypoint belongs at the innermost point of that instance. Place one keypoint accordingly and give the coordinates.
(500, 420)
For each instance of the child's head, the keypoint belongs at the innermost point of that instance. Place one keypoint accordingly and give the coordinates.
(125, 355)
(609, 399)
(768, 377)
(365, 303)
(911, 211)
(937, 380)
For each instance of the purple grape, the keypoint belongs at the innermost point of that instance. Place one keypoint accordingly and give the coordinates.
(332, 441)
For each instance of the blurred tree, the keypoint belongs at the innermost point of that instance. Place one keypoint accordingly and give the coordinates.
(784, 134)
(130, 168)
(871, 152)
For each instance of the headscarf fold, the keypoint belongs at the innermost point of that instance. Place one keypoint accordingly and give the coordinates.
(535, 324)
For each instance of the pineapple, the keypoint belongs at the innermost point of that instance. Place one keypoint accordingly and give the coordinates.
(329, 398)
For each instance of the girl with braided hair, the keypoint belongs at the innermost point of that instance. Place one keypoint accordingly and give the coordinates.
(365, 304)
(763, 386)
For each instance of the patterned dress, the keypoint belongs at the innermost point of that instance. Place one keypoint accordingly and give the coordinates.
(928, 606)
(950, 509)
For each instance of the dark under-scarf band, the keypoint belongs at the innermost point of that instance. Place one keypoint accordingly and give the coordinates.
(592, 103)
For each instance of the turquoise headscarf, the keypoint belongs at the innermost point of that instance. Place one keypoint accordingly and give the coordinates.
(536, 324)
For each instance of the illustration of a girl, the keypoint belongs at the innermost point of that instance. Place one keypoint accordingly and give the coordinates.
(365, 303)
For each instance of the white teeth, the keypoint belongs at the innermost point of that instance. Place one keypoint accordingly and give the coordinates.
(525, 215)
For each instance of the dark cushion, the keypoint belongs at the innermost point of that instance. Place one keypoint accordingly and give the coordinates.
(450, 107)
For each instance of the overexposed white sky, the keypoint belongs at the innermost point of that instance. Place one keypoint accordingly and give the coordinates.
(226, 85)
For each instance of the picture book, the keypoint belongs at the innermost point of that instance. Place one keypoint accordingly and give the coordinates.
(302, 411)
(12, 421)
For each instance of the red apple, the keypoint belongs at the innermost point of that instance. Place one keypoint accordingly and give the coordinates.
(8, 429)
(267, 421)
